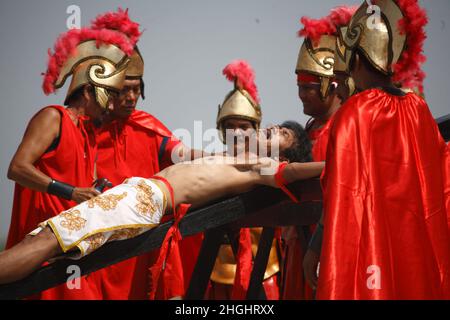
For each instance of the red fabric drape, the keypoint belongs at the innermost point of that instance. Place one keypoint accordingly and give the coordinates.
(385, 230)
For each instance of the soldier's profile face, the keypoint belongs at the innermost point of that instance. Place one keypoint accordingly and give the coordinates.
(127, 99)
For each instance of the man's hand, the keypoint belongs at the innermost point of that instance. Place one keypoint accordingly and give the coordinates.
(310, 264)
(267, 168)
(83, 194)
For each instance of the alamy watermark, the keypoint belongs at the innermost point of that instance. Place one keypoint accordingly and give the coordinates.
(374, 21)
(73, 281)
(74, 19)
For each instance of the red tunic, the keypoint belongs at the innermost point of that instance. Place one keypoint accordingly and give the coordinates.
(126, 149)
(294, 284)
(385, 230)
(71, 162)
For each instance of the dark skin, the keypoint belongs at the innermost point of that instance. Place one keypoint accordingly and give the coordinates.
(313, 104)
(365, 77)
(240, 127)
(125, 103)
(43, 129)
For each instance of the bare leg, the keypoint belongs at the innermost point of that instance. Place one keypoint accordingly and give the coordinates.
(28, 255)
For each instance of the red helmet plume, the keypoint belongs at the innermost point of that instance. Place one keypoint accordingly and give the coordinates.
(119, 21)
(329, 25)
(243, 75)
(408, 70)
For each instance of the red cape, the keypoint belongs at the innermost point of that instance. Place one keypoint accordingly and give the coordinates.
(385, 230)
(67, 163)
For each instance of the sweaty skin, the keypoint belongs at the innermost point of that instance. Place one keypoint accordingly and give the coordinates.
(197, 182)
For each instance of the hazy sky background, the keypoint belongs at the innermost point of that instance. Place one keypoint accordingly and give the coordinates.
(185, 45)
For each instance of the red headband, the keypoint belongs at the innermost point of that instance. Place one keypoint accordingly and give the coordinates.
(307, 78)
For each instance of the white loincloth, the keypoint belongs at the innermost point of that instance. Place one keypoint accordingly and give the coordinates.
(123, 212)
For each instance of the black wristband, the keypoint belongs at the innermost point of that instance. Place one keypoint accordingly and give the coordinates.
(60, 189)
(315, 244)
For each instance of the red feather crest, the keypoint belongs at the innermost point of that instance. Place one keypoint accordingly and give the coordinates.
(329, 25)
(244, 76)
(111, 28)
(408, 70)
(119, 21)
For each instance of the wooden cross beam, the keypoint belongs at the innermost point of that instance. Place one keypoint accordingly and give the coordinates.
(246, 210)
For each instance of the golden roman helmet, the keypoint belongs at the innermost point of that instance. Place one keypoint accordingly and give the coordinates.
(317, 53)
(317, 58)
(341, 67)
(102, 66)
(374, 31)
(242, 102)
(135, 69)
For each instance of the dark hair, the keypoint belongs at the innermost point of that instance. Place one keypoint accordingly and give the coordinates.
(300, 151)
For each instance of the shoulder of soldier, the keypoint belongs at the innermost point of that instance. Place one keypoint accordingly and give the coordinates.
(149, 122)
(48, 115)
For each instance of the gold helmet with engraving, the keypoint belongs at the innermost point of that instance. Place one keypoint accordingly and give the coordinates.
(96, 57)
(316, 59)
(243, 101)
(340, 67)
(390, 35)
(120, 21)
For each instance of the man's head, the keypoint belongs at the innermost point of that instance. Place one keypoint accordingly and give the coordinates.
(126, 100)
(316, 60)
(96, 57)
(314, 103)
(85, 97)
(387, 43)
(240, 110)
(291, 140)
(237, 133)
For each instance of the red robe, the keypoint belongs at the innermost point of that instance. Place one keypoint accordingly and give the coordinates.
(294, 284)
(126, 149)
(71, 162)
(385, 230)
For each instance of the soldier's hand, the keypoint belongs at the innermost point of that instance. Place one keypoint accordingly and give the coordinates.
(310, 264)
(82, 194)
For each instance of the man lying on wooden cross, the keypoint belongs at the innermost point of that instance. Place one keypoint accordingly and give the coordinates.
(137, 205)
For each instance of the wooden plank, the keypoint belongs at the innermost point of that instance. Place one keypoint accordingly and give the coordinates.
(205, 264)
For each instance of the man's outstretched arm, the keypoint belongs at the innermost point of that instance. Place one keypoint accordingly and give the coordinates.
(302, 170)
